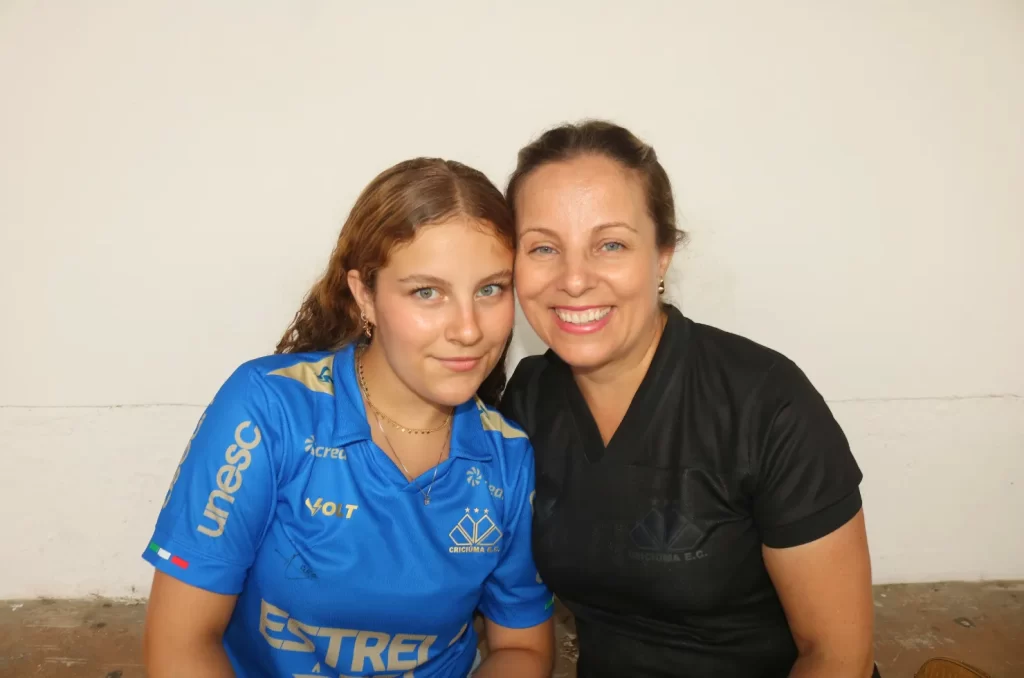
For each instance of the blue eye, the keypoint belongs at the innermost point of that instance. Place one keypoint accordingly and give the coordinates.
(613, 246)
(491, 290)
(543, 249)
(426, 293)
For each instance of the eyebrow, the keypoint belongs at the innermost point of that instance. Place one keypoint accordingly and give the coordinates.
(599, 227)
(614, 224)
(537, 229)
(423, 279)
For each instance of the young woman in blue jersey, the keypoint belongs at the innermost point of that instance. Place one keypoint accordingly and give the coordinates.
(697, 505)
(345, 505)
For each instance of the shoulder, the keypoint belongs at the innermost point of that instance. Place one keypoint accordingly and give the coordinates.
(528, 369)
(732, 351)
(521, 397)
(509, 444)
(295, 379)
(740, 366)
(769, 373)
(279, 390)
(312, 372)
(775, 395)
(504, 435)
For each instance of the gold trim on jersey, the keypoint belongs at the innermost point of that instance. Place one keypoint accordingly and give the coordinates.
(493, 421)
(316, 376)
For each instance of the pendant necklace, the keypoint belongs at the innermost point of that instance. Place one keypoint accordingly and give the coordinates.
(378, 415)
(409, 476)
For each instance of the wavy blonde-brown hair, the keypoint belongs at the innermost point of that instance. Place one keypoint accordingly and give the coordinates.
(401, 199)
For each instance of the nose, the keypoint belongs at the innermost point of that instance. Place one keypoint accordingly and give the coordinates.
(576, 278)
(464, 327)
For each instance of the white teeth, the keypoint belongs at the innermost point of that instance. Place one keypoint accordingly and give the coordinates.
(583, 317)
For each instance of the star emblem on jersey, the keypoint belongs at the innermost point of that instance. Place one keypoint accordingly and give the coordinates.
(474, 476)
(476, 532)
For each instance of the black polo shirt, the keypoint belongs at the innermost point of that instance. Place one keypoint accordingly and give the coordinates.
(654, 543)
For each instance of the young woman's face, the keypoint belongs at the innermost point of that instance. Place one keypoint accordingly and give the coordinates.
(587, 264)
(443, 309)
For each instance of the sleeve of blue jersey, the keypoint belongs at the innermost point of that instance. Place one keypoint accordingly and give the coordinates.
(514, 595)
(220, 498)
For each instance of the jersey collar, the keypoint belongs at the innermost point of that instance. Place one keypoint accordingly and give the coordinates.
(469, 440)
(653, 398)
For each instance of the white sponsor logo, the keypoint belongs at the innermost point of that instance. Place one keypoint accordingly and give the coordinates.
(238, 456)
(475, 476)
(322, 452)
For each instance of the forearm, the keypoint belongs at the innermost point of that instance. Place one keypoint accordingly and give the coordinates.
(515, 663)
(203, 660)
(823, 665)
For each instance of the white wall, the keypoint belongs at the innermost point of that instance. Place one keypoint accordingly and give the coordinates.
(173, 175)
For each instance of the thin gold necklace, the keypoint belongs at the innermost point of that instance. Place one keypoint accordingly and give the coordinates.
(408, 475)
(380, 415)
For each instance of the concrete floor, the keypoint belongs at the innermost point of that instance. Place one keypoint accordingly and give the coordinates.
(981, 624)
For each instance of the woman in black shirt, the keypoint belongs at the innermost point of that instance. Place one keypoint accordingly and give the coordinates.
(697, 505)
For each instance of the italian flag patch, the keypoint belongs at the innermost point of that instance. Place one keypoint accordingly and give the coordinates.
(167, 555)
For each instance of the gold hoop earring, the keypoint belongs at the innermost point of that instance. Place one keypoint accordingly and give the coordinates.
(661, 286)
(367, 326)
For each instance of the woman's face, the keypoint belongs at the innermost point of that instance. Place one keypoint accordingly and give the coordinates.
(443, 309)
(587, 265)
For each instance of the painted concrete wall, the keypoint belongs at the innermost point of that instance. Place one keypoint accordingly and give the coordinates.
(173, 175)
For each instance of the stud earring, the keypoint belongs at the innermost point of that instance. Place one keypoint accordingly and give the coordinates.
(661, 286)
(367, 327)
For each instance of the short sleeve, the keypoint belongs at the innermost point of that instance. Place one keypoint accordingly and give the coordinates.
(514, 595)
(807, 477)
(219, 503)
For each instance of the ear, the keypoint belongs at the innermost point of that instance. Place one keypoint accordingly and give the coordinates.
(362, 294)
(665, 260)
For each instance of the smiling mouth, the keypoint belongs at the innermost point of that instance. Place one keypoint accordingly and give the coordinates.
(582, 316)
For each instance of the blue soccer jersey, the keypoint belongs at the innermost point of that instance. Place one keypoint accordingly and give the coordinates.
(340, 568)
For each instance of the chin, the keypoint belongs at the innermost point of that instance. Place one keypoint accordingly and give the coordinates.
(582, 357)
(453, 394)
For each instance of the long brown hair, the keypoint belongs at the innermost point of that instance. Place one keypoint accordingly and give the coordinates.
(399, 200)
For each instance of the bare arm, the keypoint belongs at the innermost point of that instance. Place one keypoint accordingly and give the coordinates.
(825, 589)
(519, 653)
(184, 630)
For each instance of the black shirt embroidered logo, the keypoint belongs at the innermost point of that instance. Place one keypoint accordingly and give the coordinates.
(665, 535)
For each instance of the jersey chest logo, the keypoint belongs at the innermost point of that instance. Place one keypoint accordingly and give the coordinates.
(337, 509)
(475, 532)
(665, 535)
(475, 477)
